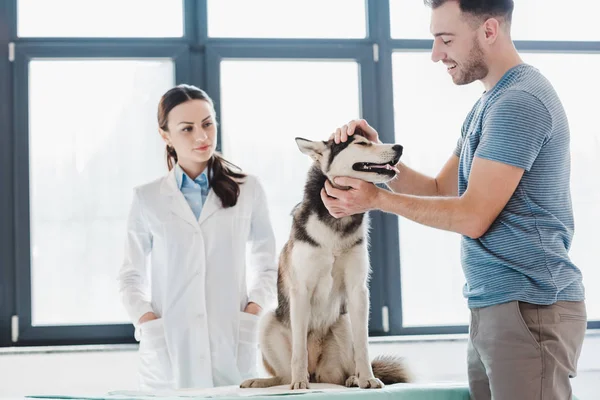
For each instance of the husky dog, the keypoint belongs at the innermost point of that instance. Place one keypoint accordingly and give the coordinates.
(319, 330)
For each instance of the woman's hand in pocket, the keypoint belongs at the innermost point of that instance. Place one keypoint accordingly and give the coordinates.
(253, 308)
(149, 316)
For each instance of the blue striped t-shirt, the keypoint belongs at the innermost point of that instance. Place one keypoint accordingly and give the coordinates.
(524, 254)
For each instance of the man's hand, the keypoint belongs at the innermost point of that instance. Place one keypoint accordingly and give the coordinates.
(361, 197)
(341, 134)
(149, 316)
(253, 308)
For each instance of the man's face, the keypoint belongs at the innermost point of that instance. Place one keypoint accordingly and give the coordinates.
(456, 44)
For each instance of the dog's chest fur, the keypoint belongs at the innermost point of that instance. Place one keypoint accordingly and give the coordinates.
(321, 257)
(326, 270)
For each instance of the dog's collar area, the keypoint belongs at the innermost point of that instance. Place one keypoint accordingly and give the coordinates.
(336, 186)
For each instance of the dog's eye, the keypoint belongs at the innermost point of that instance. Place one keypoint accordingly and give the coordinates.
(362, 143)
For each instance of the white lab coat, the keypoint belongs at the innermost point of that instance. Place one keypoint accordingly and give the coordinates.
(192, 275)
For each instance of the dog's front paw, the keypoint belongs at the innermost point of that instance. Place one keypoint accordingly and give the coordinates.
(300, 384)
(352, 381)
(255, 383)
(370, 383)
(247, 383)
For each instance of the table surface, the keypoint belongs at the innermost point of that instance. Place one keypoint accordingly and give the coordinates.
(413, 391)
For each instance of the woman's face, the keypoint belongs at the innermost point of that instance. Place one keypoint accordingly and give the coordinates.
(192, 132)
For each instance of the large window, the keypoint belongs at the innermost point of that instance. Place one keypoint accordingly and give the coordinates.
(428, 114)
(79, 132)
(429, 133)
(87, 148)
(258, 101)
(87, 80)
(429, 110)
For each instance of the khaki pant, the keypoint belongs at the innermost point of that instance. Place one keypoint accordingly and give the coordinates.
(521, 351)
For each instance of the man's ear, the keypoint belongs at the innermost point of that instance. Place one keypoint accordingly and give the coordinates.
(491, 29)
(313, 149)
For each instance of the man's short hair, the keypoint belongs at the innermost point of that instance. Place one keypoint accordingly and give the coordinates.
(481, 9)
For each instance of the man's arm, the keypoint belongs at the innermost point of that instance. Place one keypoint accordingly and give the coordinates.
(514, 130)
(491, 185)
(409, 181)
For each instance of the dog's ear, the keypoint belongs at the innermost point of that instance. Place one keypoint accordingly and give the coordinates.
(314, 149)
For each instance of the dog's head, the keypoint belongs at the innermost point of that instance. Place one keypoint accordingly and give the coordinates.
(356, 158)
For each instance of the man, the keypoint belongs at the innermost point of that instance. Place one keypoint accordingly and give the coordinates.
(506, 190)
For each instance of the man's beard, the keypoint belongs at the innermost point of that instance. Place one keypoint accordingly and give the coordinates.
(474, 68)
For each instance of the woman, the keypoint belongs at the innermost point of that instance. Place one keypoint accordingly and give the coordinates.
(195, 317)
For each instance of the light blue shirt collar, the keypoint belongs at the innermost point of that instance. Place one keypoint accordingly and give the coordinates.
(184, 180)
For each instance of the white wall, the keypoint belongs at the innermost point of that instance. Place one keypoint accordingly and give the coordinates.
(91, 371)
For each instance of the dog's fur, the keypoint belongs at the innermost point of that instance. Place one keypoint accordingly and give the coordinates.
(319, 331)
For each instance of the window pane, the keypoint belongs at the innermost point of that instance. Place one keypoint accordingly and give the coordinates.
(428, 111)
(105, 18)
(409, 20)
(556, 20)
(532, 20)
(264, 110)
(287, 19)
(585, 158)
(91, 141)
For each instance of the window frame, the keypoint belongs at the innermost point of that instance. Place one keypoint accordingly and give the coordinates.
(71, 334)
(16, 266)
(7, 243)
(197, 59)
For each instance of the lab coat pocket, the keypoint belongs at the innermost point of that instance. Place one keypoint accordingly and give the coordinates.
(154, 362)
(247, 358)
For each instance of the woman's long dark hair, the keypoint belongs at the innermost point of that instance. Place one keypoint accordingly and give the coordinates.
(222, 175)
